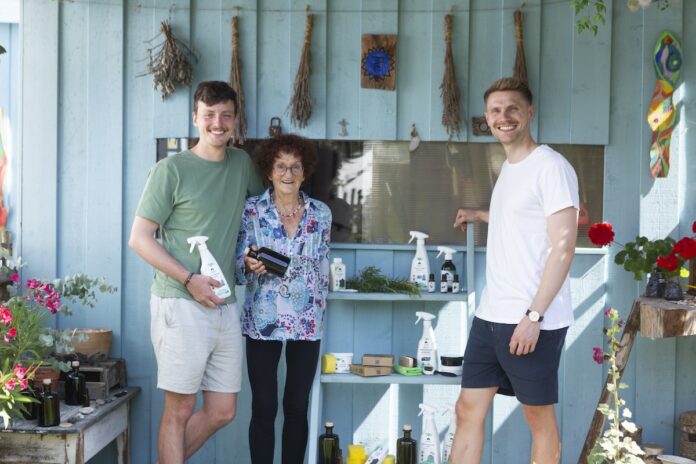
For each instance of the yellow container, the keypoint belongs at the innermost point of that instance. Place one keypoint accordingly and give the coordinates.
(390, 459)
(356, 454)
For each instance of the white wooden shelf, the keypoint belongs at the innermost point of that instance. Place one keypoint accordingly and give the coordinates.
(392, 379)
(424, 296)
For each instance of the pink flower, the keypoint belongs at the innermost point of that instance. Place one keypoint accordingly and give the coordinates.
(607, 312)
(20, 371)
(11, 384)
(598, 355)
(5, 315)
(32, 283)
(15, 277)
(23, 384)
(12, 333)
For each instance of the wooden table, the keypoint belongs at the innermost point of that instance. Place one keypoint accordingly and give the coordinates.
(25, 442)
(655, 318)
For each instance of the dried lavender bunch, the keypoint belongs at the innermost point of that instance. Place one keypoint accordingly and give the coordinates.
(168, 62)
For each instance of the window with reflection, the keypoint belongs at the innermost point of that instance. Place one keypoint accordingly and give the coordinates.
(378, 190)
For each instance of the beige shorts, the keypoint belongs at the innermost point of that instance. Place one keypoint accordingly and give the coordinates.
(197, 348)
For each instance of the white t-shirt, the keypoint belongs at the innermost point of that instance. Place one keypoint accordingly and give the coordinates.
(525, 195)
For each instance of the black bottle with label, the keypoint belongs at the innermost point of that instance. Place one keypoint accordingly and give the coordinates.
(32, 409)
(75, 386)
(275, 262)
(329, 452)
(406, 448)
(49, 411)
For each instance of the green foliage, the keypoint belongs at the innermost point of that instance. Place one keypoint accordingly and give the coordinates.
(371, 280)
(615, 445)
(589, 15)
(640, 256)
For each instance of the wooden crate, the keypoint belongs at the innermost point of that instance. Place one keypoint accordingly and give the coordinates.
(103, 378)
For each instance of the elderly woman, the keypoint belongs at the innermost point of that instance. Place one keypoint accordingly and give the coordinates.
(287, 309)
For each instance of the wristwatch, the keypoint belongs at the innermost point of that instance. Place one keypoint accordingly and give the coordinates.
(534, 316)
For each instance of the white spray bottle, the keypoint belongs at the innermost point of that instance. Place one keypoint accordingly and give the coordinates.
(427, 346)
(449, 436)
(210, 267)
(420, 266)
(448, 269)
(429, 440)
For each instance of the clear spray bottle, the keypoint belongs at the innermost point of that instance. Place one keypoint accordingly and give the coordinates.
(427, 346)
(429, 440)
(210, 267)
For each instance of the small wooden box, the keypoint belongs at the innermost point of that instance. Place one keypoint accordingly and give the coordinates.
(378, 360)
(370, 371)
(102, 378)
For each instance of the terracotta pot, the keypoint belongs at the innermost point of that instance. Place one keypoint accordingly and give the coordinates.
(98, 341)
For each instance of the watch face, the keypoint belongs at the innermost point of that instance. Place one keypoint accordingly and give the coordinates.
(533, 316)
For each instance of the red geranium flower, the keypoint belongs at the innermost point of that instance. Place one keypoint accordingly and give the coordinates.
(669, 263)
(693, 227)
(686, 248)
(601, 233)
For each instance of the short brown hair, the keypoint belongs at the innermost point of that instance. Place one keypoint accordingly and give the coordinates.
(269, 150)
(509, 83)
(214, 92)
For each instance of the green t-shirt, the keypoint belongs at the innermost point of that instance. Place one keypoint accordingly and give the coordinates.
(188, 196)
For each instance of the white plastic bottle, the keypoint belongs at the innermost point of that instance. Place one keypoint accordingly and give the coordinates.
(449, 436)
(337, 280)
(429, 440)
(210, 267)
(420, 266)
(427, 346)
(447, 270)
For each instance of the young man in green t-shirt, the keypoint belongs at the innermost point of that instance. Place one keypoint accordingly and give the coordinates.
(196, 335)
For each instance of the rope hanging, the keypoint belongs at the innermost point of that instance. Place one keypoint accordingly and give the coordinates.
(240, 122)
(520, 69)
(449, 89)
(301, 102)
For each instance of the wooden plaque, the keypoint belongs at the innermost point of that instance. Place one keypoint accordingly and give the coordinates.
(378, 62)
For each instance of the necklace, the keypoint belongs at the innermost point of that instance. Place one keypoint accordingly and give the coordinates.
(289, 214)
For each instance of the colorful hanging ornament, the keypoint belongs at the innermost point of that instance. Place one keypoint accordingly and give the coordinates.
(520, 69)
(240, 122)
(661, 112)
(449, 89)
(301, 102)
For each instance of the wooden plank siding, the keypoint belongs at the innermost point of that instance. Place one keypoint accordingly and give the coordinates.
(86, 140)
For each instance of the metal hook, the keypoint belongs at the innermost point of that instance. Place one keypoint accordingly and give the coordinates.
(172, 7)
(307, 9)
(237, 9)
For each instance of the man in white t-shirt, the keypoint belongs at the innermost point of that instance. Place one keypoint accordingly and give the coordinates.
(516, 339)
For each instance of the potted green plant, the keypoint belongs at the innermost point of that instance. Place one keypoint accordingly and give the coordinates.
(662, 259)
(25, 341)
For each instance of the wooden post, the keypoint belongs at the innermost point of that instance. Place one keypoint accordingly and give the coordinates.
(627, 338)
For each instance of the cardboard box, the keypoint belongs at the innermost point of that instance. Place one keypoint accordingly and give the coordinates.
(378, 360)
(370, 371)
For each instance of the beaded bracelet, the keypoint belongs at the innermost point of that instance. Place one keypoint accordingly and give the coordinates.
(188, 279)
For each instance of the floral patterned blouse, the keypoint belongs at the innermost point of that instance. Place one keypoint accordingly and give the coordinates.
(291, 307)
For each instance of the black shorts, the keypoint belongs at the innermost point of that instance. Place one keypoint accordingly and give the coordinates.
(532, 378)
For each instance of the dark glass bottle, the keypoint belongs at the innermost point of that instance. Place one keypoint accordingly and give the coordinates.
(329, 446)
(32, 409)
(49, 411)
(274, 262)
(75, 385)
(406, 448)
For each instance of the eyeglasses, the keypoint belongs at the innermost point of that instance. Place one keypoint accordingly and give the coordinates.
(281, 169)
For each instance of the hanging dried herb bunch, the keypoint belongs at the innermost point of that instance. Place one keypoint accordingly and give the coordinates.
(449, 89)
(240, 123)
(520, 69)
(301, 102)
(168, 62)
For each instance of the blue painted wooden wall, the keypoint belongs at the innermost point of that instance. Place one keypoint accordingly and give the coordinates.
(88, 129)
